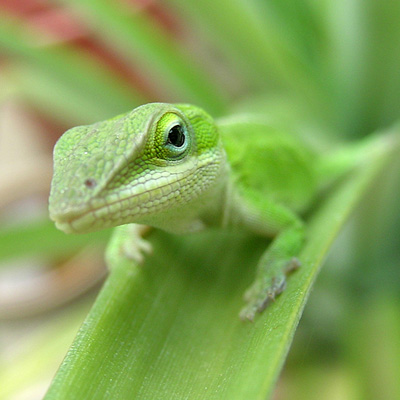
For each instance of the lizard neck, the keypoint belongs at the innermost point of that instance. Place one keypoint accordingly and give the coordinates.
(218, 203)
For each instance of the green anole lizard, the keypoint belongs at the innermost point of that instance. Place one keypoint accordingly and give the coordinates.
(173, 167)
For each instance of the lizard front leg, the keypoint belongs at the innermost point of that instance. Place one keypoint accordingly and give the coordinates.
(127, 242)
(280, 258)
(277, 262)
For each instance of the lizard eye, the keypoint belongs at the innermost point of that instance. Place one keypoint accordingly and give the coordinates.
(176, 140)
(172, 140)
(176, 136)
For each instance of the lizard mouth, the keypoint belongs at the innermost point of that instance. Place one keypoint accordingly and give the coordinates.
(86, 221)
(82, 223)
(106, 215)
(126, 208)
(89, 221)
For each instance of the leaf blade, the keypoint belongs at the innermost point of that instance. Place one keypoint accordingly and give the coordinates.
(171, 328)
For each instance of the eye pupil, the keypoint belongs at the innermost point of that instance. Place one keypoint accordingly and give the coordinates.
(176, 136)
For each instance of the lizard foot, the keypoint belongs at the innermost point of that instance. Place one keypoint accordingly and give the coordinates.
(136, 249)
(127, 242)
(265, 290)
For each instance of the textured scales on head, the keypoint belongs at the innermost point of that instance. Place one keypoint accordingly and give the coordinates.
(157, 165)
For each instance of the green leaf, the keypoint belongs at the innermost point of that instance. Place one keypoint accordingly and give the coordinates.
(171, 329)
(265, 50)
(145, 44)
(40, 352)
(63, 77)
(42, 238)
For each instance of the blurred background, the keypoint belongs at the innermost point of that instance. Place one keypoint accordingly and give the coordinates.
(327, 69)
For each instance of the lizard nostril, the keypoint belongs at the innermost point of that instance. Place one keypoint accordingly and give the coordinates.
(90, 183)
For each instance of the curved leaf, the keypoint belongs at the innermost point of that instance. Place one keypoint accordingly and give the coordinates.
(171, 329)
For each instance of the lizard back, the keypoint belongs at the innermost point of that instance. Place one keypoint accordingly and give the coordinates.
(270, 162)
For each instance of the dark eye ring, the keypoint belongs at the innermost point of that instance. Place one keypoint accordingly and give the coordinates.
(176, 136)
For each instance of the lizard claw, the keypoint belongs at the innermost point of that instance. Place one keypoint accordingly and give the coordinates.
(259, 297)
(127, 242)
(136, 249)
(264, 291)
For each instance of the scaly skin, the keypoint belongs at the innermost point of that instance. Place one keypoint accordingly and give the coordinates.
(122, 171)
(173, 167)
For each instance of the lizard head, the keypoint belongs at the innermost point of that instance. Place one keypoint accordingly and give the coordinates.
(157, 165)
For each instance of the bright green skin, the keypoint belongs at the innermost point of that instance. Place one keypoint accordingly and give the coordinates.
(230, 174)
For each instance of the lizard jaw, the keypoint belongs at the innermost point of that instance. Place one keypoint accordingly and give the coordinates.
(86, 221)
(74, 224)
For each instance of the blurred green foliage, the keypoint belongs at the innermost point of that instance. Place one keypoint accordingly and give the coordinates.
(326, 68)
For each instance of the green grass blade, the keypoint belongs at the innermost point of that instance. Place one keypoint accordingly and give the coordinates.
(142, 42)
(68, 71)
(346, 64)
(382, 80)
(255, 41)
(48, 95)
(42, 238)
